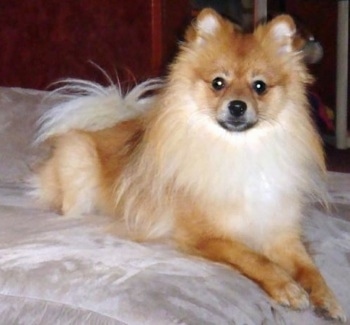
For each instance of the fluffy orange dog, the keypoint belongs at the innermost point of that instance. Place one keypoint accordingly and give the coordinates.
(223, 160)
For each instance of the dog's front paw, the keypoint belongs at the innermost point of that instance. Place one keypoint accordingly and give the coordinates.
(290, 294)
(329, 308)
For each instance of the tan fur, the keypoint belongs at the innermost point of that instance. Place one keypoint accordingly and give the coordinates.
(232, 197)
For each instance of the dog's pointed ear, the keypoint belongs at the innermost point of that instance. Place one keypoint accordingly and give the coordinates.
(207, 23)
(280, 32)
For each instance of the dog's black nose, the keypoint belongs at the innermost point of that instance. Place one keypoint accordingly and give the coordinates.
(237, 108)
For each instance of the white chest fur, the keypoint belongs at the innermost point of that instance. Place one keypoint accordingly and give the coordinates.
(255, 190)
(251, 184)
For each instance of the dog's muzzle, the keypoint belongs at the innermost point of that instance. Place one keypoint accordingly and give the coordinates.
(238, 117)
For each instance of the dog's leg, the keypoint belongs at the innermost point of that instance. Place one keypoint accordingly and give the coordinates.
(290, 253)
(272, 278)
(46, 188)
(77, 165)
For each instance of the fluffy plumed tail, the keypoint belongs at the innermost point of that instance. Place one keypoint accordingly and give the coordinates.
(92, 107)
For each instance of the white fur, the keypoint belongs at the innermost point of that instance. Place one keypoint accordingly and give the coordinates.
(92, 107)
(209, 24)
(284, 33)
(282, 30)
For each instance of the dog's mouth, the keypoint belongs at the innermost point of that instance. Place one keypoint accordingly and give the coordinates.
(236, 125)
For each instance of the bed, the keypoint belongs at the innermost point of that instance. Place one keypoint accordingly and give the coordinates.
(59, 270)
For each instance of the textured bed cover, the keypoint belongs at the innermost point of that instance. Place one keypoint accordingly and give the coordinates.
(58, 270)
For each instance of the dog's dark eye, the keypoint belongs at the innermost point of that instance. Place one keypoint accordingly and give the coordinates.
(218, 83)
(259, 87)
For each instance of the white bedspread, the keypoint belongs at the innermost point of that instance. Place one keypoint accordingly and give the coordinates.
(58, 270)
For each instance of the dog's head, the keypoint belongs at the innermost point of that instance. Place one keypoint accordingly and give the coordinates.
(239, 79)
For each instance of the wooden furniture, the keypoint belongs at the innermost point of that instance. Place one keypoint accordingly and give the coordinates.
(42, 41)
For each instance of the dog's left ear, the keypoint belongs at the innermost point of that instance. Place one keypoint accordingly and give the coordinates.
(279, 31)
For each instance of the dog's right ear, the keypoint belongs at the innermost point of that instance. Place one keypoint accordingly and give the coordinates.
(207, 23)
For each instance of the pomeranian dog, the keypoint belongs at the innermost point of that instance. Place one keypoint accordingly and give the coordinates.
(223, 159)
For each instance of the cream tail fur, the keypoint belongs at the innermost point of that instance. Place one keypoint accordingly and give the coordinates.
(92, 107)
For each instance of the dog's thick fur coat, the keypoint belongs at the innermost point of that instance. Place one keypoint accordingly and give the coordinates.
(229, 188)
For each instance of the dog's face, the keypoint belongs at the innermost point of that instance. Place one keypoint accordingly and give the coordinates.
(240, 79)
